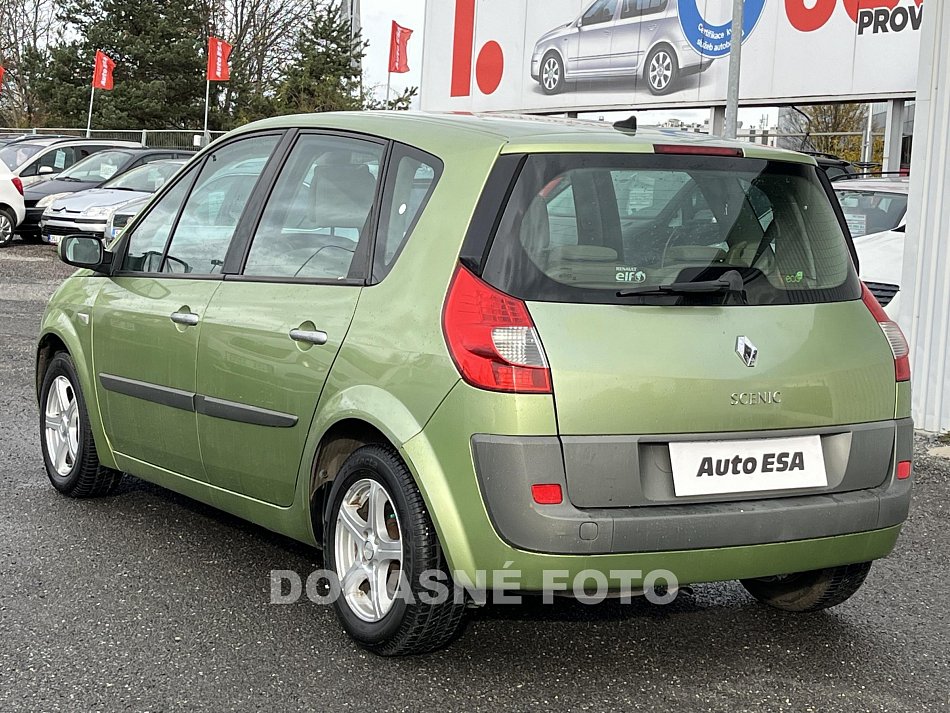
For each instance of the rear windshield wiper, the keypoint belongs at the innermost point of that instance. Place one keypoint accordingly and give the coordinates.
(730, 282)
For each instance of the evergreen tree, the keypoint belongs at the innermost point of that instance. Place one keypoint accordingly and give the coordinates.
(159, 49)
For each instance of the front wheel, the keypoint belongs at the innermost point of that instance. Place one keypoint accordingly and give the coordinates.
(69, 451)
(7, 226)
(380, 543)
(552, 74)
(809, 591)
(662, 70)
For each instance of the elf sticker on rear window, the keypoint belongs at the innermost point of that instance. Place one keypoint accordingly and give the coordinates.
(631, 274)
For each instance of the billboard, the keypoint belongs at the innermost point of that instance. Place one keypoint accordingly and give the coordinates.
(576, 55)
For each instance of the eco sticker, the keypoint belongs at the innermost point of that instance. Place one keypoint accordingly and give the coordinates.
(796, 278)
(631, 275)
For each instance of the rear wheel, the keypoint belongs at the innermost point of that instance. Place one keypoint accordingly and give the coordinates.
(379, 541)
(662, 70)
(69, 452)
(809, 591)
(7, 226)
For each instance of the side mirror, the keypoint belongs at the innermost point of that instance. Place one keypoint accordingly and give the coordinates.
(45, 170)
(85, 251)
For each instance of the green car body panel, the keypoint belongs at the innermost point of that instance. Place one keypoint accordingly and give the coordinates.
(387, 367)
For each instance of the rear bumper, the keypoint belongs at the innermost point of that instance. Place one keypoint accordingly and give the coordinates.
(477, 489)
(507, 467)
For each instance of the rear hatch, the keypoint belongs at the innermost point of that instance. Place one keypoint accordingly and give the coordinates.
(690, 294)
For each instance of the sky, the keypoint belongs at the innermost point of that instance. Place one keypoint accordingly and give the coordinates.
(378, 16)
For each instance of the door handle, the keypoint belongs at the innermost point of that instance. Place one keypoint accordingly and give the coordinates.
(188, 319)
(309, 336)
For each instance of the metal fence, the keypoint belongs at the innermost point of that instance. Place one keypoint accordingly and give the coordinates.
(851, 145)
(164, 138)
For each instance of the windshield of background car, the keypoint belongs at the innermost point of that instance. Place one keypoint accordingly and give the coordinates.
(99, 167)
(147, 179)
(15, 155)
(584, 227)
(868, 212)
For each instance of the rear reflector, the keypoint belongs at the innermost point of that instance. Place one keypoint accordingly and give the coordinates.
(697, 150)
(893, 333)
(492, 338)
(547, 494)
(904, 469)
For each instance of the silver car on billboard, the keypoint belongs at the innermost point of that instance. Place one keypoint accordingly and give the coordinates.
(618, 39)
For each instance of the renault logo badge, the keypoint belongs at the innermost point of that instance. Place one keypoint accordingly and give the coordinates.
(747, 351)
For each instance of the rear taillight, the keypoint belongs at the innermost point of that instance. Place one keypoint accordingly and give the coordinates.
(895, 337)
(492, 338)
(18, 184)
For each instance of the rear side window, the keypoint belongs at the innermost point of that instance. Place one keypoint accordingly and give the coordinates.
(585, 227)
(319, 215)
(411, 179)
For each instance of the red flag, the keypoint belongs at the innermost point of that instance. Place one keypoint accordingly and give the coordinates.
(218, 53)
(102, 75)
(2, 72)
(398, 48)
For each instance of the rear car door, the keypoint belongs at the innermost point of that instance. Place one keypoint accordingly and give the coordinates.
(272, 332)
(148, 314)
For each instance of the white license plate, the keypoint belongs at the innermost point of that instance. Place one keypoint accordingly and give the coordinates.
(53, 239)
(722, 467)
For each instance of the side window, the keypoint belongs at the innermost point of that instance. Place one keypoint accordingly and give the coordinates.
(57, 160)
(601, 11)
(318, 215)
(411, 179)
(215, 205)
(147, 240)
(637, 8)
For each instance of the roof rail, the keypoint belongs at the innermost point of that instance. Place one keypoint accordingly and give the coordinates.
(869, 174)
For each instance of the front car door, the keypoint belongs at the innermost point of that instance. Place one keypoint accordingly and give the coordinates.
(271, 333)
(147, 318)
(594, 37)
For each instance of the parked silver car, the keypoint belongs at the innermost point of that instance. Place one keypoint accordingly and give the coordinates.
(91, 211)
(618, 38)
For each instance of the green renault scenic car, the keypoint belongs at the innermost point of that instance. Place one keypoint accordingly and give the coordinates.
(463, 351)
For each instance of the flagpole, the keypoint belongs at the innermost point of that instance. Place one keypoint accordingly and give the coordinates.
(92, 96)
(389, 83)
(207, 104)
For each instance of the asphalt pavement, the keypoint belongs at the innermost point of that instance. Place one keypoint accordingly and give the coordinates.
(148, 601)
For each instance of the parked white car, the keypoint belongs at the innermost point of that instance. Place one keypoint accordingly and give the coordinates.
(876, 211)
(12, 209)
(37, 159)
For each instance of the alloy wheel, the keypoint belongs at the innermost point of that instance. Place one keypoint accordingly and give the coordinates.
(62, 425)
(661, 70)
(551, 74)
(368, 550)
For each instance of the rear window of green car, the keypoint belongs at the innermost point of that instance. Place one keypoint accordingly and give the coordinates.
(585, 227)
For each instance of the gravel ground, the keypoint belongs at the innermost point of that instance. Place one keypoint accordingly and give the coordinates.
(148, 601)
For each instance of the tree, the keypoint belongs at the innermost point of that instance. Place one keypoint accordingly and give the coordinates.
(830, 119)
(159, 53)
(27, 27)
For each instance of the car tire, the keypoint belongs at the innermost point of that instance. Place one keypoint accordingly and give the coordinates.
(7, 227)
(662, 70)
(551, 74)
(373, 511)
(69, 451)
(809, 591)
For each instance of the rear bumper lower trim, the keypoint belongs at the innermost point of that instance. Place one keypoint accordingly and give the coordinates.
(507, 466)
